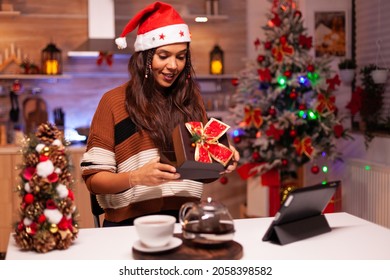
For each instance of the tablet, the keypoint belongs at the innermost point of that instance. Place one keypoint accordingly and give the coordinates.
(300, 215)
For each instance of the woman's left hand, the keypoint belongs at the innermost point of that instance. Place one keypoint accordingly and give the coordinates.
(235, 159)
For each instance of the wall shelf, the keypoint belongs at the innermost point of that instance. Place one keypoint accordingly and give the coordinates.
(9, 13)
(32, 77)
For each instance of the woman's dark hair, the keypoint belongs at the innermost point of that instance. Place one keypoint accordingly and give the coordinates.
(156, 112)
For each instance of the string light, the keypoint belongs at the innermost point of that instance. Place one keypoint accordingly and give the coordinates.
(282, 81)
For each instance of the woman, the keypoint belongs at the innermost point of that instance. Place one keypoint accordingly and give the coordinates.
(134, 122)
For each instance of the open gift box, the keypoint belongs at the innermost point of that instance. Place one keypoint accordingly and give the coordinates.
(188, 160)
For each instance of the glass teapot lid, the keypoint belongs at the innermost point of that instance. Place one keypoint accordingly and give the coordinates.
(210, 205)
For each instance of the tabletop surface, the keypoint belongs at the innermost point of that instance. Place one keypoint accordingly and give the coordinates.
(351, 238)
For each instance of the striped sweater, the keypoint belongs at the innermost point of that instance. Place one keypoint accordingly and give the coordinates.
(115, 145)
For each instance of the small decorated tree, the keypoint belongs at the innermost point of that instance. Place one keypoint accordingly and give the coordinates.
(47, 210)
(284, 105)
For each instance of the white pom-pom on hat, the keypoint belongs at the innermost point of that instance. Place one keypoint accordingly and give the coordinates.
(121, 42)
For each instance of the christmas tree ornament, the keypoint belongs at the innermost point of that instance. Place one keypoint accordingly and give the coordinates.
(272, 111)
(293, 133)
(315, 169)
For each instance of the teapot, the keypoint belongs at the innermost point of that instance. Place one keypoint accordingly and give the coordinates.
(208, 222)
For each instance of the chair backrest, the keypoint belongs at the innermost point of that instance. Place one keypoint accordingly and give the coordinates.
(96, 210)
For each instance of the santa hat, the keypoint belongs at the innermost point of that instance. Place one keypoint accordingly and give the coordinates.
(159, 25)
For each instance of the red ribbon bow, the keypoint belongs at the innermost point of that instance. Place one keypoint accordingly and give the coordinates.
(253, 116)
(325, 103)
(305, 42)
(280, 51)
(333, 82)
(304, 146)
(104, 56)
(207, 145)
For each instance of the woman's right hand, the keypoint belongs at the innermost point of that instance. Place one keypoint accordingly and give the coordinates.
(153, 173)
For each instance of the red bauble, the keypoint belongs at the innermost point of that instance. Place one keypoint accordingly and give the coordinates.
(315, 169)
(267, 45)
(41, 219)
(284, 162)
(260, 58)
(287, 73)
(28, 198)
(293, 94)
(20, 226)
(237, 139)
(223, 180)
(293, 133)
(272, 111)
(235, 82)
(283, 40)
(255, 156)
(310, 68)
(302, 107)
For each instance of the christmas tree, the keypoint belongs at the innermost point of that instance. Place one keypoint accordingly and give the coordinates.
(47, 210)
(283, 108)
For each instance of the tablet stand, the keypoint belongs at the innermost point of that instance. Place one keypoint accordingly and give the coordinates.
(300, 229)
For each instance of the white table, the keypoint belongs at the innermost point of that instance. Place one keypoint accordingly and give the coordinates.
(351, 238)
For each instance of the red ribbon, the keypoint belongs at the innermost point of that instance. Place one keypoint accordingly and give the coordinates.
(304, 146)
(207, 146)
(104, 56)
(305, 42)
(325, 103)
(274, 132)
(253, 116)
(280, 51)
(333, 82)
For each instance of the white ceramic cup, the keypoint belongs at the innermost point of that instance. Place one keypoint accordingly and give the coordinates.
(155, 230)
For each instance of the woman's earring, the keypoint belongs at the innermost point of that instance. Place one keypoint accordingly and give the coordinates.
(147, 71)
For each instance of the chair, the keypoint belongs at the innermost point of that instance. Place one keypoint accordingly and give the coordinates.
(96, 210)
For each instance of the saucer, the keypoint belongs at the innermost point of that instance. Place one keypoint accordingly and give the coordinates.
(175, 242)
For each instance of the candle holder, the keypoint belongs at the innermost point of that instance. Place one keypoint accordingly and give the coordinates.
(216, 61)
(51, 60)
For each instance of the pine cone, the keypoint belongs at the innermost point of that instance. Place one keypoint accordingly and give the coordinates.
(31, 159)
(59, 159)
(34, 184)
(23, 240)
(44, 242)
(66, 206)
(64, 239)
(48, 132)
(66, 177)
(30, 211)
(46, 187)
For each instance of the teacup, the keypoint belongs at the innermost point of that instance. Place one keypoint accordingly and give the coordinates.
(155, 230)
